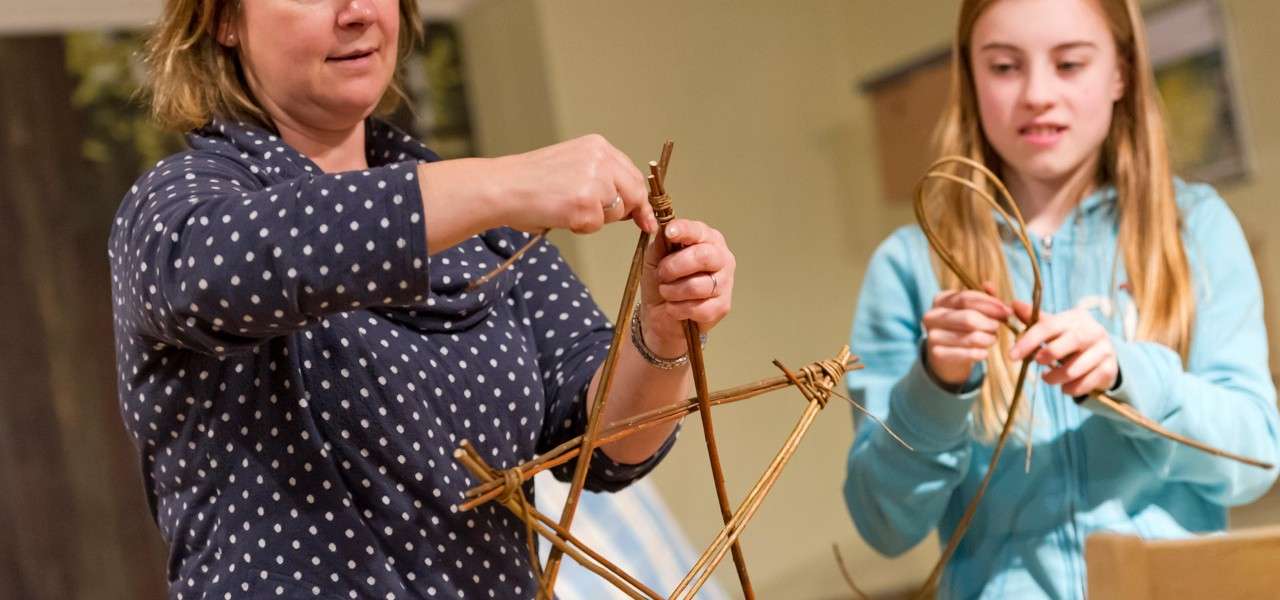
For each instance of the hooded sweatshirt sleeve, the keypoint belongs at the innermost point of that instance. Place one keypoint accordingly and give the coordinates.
(897, 496)
(1224, 395)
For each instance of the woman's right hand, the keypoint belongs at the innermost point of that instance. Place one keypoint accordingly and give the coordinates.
(960, 331)
(571, 185)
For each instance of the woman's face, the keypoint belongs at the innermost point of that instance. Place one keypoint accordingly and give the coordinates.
(1047, 75)
(317, 63)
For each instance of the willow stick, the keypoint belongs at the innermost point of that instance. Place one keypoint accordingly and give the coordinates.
(511, 260)
(714, 554)
(566, 451)
(598, 404)
(664, 212)
(559, 537)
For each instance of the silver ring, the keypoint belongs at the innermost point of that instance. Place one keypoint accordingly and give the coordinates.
(714, 284)
(612, 205)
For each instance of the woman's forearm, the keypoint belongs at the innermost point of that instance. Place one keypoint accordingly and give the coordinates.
(460, 198)
(638, 387)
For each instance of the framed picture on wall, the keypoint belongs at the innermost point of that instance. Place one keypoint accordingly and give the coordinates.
(1191, 58)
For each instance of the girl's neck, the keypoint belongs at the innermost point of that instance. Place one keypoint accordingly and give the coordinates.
(1046, 203)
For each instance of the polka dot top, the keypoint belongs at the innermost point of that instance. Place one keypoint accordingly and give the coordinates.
(296, 371)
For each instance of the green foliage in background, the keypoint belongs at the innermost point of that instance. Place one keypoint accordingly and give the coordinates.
(108, 70)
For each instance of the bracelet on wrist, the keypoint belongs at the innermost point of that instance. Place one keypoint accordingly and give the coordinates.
(637, 340)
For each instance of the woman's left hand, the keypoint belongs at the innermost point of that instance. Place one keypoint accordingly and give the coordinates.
(1075, 342)
(693, 283)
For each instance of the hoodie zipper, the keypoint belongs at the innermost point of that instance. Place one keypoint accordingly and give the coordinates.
(1067, 540)
(1071, 531)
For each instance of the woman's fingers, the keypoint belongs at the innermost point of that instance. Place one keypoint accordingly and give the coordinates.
(698, 286)
(704, 251)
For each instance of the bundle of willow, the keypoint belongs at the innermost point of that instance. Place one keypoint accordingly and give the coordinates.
(815, 381)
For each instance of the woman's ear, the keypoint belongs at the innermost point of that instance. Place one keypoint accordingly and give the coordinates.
(227, 30)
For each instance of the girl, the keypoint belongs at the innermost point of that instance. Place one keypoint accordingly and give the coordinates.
(1150, 294)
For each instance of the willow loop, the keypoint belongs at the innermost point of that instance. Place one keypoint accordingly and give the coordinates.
(1013, 217)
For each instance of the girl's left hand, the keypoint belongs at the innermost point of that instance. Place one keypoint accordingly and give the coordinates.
(1075, 342)
(693, 283)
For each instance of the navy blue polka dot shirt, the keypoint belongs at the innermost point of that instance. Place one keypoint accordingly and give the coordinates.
(296, 371)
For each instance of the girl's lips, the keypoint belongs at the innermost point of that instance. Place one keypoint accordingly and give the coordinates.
(1042, 135)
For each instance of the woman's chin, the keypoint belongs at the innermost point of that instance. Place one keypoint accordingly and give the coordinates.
(350, 109)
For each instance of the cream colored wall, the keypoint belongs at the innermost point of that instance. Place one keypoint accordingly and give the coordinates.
(1257, 200)
(773, 147)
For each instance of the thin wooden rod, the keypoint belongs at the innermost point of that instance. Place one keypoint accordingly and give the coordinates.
(559, 538)
(714, 553)
(566, 451)
(693, 343)
(598, 404)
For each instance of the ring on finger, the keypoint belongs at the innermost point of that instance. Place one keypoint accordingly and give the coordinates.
(612, 205)
(714, 284)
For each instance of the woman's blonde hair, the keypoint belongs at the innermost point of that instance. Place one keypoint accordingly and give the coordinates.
(192, 78)
(1135, 160)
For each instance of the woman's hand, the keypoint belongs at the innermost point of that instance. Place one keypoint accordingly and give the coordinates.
(579, 185)
(961, 329)
(1077, 347)
(693, 283)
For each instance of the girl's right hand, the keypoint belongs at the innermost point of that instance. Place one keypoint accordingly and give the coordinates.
(960, 331)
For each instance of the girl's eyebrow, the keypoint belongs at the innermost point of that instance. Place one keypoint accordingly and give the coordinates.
(1060, 47)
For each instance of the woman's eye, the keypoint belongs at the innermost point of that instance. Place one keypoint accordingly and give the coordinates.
(1003, 68)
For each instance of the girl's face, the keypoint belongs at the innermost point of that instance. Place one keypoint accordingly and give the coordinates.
(317, 63)
(1046, 75)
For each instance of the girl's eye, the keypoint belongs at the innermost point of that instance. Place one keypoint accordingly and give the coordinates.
(1003, 68)
(1069, 67)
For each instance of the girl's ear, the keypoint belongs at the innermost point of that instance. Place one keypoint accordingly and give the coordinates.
(1118, 83)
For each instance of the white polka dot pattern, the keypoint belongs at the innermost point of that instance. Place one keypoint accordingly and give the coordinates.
(296, 371)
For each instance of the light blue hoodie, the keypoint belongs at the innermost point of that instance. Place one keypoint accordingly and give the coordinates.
(1089, 472)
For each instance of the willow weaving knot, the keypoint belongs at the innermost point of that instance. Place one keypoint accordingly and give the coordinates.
(512, 485)
(818, 380)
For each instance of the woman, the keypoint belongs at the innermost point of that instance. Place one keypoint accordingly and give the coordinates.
(298, 349)
(1150, 295)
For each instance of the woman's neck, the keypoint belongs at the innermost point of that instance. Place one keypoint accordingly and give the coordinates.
(333, 150)
(1045, 203)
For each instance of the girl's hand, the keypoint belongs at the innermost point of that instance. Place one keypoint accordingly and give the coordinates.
(1076, 346)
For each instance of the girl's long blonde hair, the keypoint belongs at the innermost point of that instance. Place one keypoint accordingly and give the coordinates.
(191, 77)
(1135, 160)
